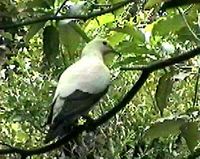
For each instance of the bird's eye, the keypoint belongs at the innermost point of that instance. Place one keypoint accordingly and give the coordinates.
(104, 43)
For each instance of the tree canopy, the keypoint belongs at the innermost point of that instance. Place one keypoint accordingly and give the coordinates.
(152, 107)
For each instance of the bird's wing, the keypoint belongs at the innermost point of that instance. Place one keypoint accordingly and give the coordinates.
(76, 104)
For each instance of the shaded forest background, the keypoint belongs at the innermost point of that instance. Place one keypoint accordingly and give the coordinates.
(40, 38)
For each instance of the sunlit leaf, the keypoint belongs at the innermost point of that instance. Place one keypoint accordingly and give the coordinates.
(168, 24)
(99, 21)
(104, 19)
(116, 37)
(15, 126)
(21, 136)
(137, 35)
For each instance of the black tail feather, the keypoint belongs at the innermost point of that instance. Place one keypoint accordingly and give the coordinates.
(57, 131)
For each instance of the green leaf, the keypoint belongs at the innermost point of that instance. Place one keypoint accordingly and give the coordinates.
(185, 34)
(165, 127)
(50, 43)
(104, 19)
(69, 36)
(152, 3)
(168, 24)
(128, 47)
(191, 134)
(163, 90)
(99, 21)
(34, 28)
(137, 35)
(80, 32)
(21, 136)
(116, 37)
(139, 60)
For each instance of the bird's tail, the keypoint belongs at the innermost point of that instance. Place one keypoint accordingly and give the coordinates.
(58, 131)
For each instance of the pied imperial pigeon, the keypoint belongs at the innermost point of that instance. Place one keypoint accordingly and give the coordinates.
(79, 88)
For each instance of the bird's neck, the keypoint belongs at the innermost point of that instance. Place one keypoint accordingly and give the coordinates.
(94, 54)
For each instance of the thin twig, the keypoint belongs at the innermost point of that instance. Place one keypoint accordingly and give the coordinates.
(59, 9)
(187, 24)
(196, 88)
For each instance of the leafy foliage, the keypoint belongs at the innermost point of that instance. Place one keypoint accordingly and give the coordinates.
(142, 33)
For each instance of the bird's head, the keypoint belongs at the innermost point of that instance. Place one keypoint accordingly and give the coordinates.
(97, 46)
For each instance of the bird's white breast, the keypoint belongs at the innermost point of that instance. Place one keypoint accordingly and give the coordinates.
(88, 75)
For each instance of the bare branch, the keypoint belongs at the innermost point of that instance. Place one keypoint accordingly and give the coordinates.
(166, 62)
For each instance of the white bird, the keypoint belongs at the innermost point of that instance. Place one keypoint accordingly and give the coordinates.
(79, 88)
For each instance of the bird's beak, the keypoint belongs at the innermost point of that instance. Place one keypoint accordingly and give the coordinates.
(113, 50)
(108, 58)
(116, 52)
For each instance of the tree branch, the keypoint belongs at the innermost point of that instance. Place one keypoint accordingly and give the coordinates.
(127, 98)
(196, 88)
(166, 62)
(56, 17)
